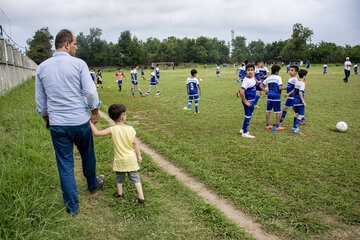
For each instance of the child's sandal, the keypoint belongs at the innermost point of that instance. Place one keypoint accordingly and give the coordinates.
(140, 201)
(118, 196)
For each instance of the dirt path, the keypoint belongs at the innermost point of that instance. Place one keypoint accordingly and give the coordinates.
(239, 217)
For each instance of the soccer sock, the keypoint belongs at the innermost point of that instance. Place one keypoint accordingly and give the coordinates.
(256, 99)
(303, 119)
(267, 124)
(246, 125)
(119, 87)
(140, 92)
(294, 122)
(158, 91)
(297, 122)
(283, 115)
(277, 125)
(189, 105)
(196, 106)
(132, 92)
(148, 92)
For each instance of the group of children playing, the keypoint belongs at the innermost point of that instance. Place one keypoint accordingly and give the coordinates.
(257, 80)
(154, 77)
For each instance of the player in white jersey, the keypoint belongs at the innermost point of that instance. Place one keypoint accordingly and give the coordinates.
(193, 91)
(261, 73)
(217, 71)
(290, 86)
(299, 102)
(157, 73)
(153, 82)
(325, 69)
(134, 82)
(347, 69)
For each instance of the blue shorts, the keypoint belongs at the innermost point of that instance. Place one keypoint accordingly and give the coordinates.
(300, 110)
(289, 102)
(153, 83)
(248, 110)
(119, 82)
(258, 87)
(194, 98)
(134, 83)
(158, 76)
(276, 105)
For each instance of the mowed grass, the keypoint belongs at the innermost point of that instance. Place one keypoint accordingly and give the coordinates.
(297, 186)
(30, 195)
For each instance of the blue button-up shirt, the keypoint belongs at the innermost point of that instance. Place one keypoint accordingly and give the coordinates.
(60, 84)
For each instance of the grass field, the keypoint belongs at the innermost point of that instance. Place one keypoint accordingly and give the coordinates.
(297, 186)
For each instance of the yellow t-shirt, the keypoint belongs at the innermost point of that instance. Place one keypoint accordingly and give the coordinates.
(125, 156)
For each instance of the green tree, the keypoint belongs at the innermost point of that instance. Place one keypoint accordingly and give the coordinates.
(239, 52)
(256, 50)
(40, 45)
(296, 47)
(273, 51)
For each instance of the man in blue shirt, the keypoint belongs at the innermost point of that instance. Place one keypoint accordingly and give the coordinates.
(60, 84)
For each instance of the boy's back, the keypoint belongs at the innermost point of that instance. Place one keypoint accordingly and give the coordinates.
(125, 157)
(193, 83)
(273, 82)
(299, 87)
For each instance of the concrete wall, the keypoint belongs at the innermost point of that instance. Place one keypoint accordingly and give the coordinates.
(15, 68)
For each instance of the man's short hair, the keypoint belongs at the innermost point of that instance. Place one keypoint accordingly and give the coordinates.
(62, 37)
(116, 110)
(193, 72)
(295, 67)
(275, 69)
(250, 65)
(302, 73)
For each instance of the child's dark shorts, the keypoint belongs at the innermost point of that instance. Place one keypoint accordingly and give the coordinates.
(133, 177)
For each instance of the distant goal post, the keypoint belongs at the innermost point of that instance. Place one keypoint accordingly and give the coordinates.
(162, 64)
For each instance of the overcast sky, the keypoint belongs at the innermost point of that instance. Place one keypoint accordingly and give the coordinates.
(335, 21)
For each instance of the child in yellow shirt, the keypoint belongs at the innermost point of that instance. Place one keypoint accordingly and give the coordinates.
(126, 148)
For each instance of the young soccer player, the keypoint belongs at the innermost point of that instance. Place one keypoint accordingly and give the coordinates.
(92, 74)
(99, 79)
(242, 73)
(287, 68)
(119, 74)
(290, 86)
(299, 102)
(157, 72)
(193, 91)
(248, 93)
(307, 65)
(356, 69)
(325, 69)
(153, 82)
(261, 73)
(127, 151)
(274, 85)
(134, 82)
(217, 71)
(142, 73)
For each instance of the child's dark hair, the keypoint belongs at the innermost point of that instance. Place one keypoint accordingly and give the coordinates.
(193, 72)
(98, 70)
(119, 68)
(295, 67)
(275, 68)
(250, 65)
(152, 68)
(302, 73)
(116, 110)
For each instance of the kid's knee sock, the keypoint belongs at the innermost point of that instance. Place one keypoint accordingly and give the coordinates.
(246, 124)
(132, 92)
(256, 100)
(196, 105)
(140, 92)
(296, 122)
(283, 115)
(189, 105)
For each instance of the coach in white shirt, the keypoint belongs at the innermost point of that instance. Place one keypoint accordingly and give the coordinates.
(347, 69)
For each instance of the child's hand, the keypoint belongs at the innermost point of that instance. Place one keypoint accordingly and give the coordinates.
(286, 95)
(139, 159)
(248, 104)
(304, 104)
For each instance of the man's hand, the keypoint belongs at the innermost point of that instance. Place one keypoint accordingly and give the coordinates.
(47, 122)
(94, 116)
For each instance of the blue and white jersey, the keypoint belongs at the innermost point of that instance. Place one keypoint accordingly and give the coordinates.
(287, 68)
(152, 80)
(263, 71)
(157, 71)
(193, 84)
(132, 75)
(290, 86)
(325, 67)
(242, 72)
(92, 74)
(217, 70)
(135, 74)
(257, 74)
(355, 67)
(142, 72)
(307, 64)
(273, 82)
(299, 87)
(249, 85)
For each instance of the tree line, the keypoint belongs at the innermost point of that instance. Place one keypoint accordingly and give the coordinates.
(129, 50)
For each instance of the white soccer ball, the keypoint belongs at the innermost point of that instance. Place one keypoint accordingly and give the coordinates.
(200, 79)
(185, 108)
(341, 126)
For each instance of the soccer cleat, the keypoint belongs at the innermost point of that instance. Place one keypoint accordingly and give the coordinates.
(241, 131)
(274, 130)
(280, 128)
(303, 123)
(269, 127)
(296, 131)
(293, 129)
(238, 94)
(189, 111)
(247, 135)
(133, 96)
(143, 95)
(157, 96)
